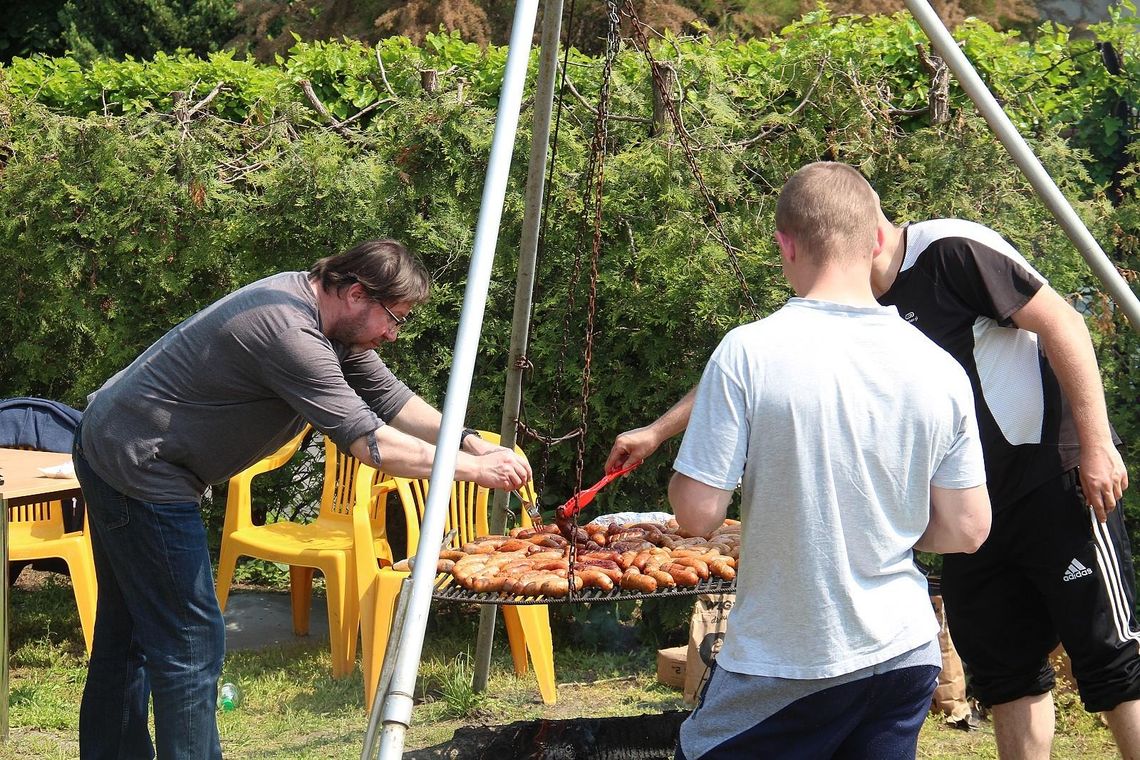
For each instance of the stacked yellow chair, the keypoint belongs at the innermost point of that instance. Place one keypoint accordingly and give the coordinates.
(36, 531)
(326, 544)
(528, 626)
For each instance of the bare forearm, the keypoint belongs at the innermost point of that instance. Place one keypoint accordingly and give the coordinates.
(418, 418)
(409, 457)
(1065, 339)
(676, 419)
(1064, 336)
(638, 444)
(399, 453)
(1071, 356)
(959, 520)
(700, 509)
(937, 540)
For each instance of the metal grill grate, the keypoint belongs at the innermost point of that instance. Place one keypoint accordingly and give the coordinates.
(446, 589)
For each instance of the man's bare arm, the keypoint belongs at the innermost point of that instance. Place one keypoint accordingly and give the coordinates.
(1068, 347)
(959, 520)
(421, 419)
(406, 448)
(699, 508)
(638, 444)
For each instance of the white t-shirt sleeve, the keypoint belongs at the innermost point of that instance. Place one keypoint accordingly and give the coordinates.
(963, 465)
(715, 445)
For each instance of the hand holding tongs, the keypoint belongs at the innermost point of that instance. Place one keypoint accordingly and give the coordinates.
(579, 500)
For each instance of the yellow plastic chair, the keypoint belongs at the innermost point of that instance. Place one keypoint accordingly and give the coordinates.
(528, 626)
(36, 531)
(326, 544)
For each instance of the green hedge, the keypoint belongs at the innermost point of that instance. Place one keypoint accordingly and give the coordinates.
(123, 209)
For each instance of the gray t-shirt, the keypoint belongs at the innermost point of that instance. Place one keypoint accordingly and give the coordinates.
(229, 386)
(835, 420)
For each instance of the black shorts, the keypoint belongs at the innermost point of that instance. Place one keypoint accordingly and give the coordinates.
(1049, 572)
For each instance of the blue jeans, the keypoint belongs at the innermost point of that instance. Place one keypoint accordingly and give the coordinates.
(158, 630)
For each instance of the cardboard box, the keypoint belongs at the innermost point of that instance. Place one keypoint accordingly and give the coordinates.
(671, 666)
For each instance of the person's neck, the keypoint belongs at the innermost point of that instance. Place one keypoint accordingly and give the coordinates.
(885, 266)
(841, 286)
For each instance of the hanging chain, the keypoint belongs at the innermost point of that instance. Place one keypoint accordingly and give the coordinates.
(592, 201)
(522, 429)
(642, 44)
(598, 152)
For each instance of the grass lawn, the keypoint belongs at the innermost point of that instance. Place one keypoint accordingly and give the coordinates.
(293, 709)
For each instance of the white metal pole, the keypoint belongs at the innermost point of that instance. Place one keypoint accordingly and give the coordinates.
(1025, 159)
(397, 712)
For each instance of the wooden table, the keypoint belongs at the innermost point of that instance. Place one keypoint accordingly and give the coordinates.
(23, 483)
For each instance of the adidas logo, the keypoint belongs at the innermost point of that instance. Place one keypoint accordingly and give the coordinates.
(1076, 570)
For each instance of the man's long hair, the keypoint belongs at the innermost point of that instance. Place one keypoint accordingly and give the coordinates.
(385, 269)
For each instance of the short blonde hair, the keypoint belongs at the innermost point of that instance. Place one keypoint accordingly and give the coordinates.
(830, 210)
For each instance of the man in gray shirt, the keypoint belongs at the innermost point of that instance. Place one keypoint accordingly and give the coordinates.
(217, 393)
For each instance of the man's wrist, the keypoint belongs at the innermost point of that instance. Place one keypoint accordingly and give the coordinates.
(467, 432)
(658, 434)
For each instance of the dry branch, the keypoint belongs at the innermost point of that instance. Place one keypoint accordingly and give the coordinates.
(311, 94)
(939, 98)
(613, 117)
(383, 73)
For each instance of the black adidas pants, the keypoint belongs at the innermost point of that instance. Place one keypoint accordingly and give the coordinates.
(1048, 572)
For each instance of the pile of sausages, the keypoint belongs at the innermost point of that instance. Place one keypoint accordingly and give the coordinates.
(641, 557)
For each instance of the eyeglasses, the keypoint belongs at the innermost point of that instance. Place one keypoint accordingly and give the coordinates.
(398, 321)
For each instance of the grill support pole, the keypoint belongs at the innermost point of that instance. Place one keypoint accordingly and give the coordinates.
(397, 712)
(372, 734)
(1025, 159)
(524, 292)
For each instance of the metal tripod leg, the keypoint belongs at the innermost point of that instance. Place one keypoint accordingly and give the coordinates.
(371, 747)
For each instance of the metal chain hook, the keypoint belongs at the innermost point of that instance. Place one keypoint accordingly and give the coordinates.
(596, 187)
(593, 200)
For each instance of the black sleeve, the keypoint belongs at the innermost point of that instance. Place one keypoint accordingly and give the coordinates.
(993, 283)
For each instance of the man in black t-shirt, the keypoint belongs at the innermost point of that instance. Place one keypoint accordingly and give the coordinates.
(1057, 565)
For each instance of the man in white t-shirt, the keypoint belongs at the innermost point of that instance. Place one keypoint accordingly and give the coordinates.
(854, 441)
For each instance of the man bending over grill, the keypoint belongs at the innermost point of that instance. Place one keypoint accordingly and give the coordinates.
(1057, 566)
(227, 387)
(854, 441)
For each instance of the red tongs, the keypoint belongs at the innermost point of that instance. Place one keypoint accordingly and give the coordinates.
(579, 500)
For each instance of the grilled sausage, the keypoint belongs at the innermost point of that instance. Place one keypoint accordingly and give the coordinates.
(634, 580)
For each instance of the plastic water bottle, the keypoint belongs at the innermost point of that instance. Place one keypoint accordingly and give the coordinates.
(229, 697)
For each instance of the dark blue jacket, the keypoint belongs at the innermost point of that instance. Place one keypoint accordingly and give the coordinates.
(37, 423)
(44, 425)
